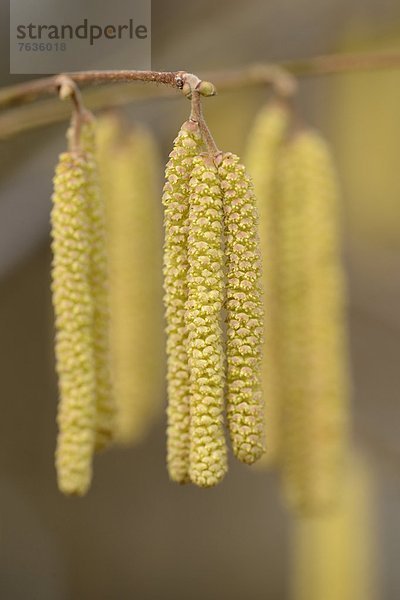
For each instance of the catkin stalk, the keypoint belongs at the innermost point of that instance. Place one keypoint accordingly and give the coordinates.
(208, 452)
(264, 143)
(128, 169)
(245, 410)
(187, 145)
(312, 349)
(75, 191)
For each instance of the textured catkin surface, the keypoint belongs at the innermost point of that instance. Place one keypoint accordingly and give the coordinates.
(208, 453)
(99, 283)
(312, 352)
(333, 555)
(130, 177)
(264, 142)
(74, 191)
(187, 145)
(245, 410)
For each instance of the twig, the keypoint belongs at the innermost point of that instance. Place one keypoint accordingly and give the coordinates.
(280, 76)
(30, 90)
(49, 111)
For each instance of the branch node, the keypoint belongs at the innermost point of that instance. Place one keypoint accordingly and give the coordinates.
(67, 89)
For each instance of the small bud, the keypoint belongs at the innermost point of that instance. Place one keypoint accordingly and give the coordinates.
(206, 88)
(66, 90)
(187, 90)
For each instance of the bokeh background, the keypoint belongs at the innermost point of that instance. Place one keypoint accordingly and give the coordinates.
(136, 535)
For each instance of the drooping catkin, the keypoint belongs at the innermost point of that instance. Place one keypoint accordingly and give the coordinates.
(75, 189)
(264, 142)
(333, 554)
(312, 349)
(105, 402)
(245, 411)
(129, 174)
(208, 452)
(187, 145)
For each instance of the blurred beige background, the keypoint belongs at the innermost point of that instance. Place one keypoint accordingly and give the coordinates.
(136, 535)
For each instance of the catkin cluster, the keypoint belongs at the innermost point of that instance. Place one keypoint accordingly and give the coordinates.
(107, 293)
(79, 285)
(211, 264)
(107, 304)
(304, 373)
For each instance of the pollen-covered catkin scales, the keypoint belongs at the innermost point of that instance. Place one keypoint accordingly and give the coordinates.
(187, 145)
(264, 143)
(74, 190)
(245, 410)
(208, 460)
(100, 292)
(312, 328)
(129, 174)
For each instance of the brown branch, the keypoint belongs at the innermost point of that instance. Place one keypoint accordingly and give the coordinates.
(50, 110)
(30, 90)
(280, 77)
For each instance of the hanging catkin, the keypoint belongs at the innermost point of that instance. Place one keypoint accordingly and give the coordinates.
(187, 145)
(333, 554)
(75, 189)
(208, 460)
(264, 142)
(311, 326)
(245, 411)
(105, 403)
(129, 174)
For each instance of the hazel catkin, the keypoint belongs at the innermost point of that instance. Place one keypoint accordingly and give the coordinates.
(245, 411)
(208, 460)
(129, 171)
(187, 145)
(264, 143)
(105, 403)
(74, 190)
(333, 554)
(312, 349)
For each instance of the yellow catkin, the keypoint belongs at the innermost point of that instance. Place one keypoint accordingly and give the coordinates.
(99, 282)
(312, 349)
(264, 142)
(128, 168)
(74, 192)
(333, 554)
(208, 453)
(245, 410)
(187, 145)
